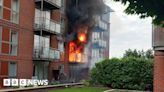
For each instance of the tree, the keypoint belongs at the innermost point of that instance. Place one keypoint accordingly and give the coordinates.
(149, 53)
(139, 54)
(132, 53)
(146, 8)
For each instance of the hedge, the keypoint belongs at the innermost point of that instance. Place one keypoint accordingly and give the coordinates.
(127, 73)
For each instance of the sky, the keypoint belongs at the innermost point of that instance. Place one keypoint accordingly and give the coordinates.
(128, 31)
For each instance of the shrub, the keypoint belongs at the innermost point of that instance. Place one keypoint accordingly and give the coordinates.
(85, 82)
(128, 73)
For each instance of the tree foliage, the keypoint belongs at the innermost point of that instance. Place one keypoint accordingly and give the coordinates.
(139, 54)
(126, 73)
(146, 8)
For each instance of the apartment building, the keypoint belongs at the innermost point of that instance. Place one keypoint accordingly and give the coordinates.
(32, 39)
(158, 45)
(99, 45)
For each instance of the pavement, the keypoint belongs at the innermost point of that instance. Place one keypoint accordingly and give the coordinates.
(119, 90)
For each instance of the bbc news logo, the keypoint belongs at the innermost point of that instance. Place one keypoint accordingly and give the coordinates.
(24, 82)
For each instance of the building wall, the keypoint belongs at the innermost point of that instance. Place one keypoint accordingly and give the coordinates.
(25, 29)
(158, 44)
(158, 71)
(102, 33)
(26, 38)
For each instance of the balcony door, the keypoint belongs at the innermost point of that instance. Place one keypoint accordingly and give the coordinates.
(41, 70)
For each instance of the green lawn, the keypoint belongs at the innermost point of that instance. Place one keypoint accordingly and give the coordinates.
(84, 89)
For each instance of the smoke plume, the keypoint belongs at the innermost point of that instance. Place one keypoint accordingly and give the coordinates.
(81, 12)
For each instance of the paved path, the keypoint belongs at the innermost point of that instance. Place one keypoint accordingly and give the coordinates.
(113, 90)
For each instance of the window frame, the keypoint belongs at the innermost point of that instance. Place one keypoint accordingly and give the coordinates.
(13, 11)
(1, 7)
(9, 63)
(9, 43)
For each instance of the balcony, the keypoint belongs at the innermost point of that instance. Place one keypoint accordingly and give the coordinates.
(100, 26)
(47, 26)
(48, 4)
(43, 53)
(158, 38)
(99, 44)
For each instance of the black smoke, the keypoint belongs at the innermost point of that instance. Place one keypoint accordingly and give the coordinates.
(81, 12)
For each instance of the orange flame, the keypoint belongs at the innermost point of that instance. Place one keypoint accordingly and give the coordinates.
(75, 54)
(82, 37)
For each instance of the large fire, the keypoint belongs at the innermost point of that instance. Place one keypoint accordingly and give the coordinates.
(75, 53)
(76, 46)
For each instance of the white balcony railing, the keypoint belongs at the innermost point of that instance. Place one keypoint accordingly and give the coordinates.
(57, 2)
(100, 43)
(47, 24)
(44, 53)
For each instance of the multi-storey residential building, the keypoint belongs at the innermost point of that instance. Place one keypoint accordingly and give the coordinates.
(99, 45)
(158, 45)
(31, 39)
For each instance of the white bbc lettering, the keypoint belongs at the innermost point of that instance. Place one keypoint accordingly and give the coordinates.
(23, 82)
(14, 82)
(6, 82)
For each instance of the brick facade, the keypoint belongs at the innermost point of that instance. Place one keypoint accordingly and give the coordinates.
(25, 29)
(159, 71)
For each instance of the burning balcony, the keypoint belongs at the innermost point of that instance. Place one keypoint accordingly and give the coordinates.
(99, 44)
(158, 38)
(47, 26)
(43, 53)
(48, 4)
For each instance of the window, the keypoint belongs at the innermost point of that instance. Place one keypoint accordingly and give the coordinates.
(13, 45)
(9, 10)
(15, 5)
(8, 41)
(12, 69)
(1, 8)
(15, 11)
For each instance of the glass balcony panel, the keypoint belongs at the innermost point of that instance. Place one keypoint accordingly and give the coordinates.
(47, 25)
(57, 54)
(52, 54)
(45, 53)
(57, 2)
(49, 4)
(58, 28)
(52, 27)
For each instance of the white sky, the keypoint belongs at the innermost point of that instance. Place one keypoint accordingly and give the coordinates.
(128, 31)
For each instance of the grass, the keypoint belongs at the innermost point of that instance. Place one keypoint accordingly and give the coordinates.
(83, 89)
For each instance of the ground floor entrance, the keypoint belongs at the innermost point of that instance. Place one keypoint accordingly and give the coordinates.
(40, 70)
